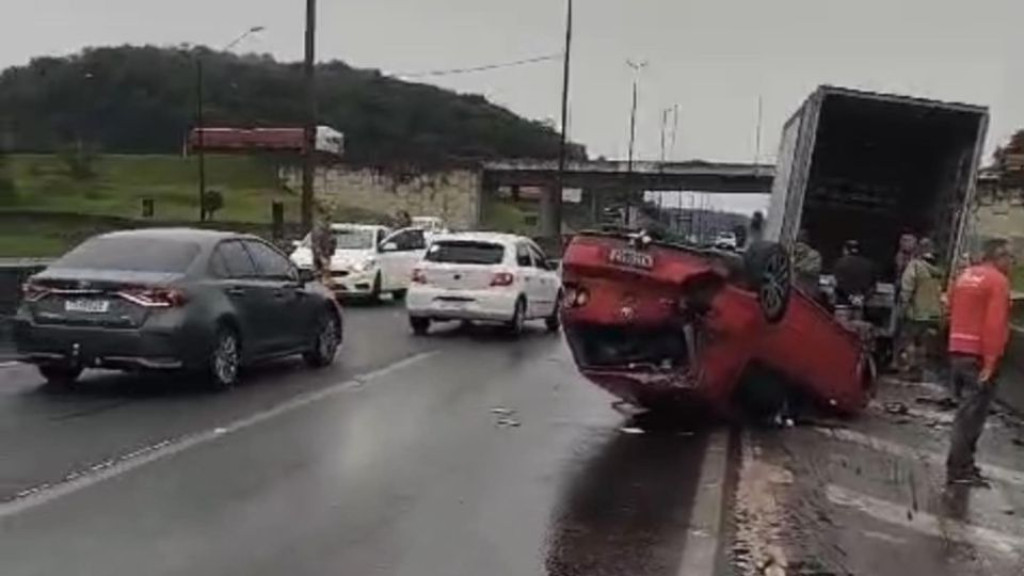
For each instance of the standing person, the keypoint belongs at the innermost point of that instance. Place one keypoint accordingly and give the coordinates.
(979, 327)
(323, 244)
(807, 266)
(756, 232)
(920, 307)
(855, 274)
(402, 220)
(904, 254)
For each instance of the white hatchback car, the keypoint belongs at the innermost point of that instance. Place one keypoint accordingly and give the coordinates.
(369, 260)
(486, 277)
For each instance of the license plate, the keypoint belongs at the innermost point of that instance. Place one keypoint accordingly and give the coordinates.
(87, 306)
(631, 258)
(453, 304)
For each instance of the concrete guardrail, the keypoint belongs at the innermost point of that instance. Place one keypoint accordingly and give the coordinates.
(13, 273)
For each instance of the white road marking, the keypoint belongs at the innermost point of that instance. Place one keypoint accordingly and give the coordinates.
(933, 387)
(994, 472)
(701, 546)
(46, 493)
(924, 523)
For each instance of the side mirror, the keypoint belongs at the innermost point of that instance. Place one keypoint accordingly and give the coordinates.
(389, 247)
(306, 275)
(553, 264)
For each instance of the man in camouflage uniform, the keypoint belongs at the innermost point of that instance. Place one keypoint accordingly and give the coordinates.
(323, 244)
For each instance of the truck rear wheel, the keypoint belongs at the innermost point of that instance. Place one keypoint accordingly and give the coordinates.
(769, 274)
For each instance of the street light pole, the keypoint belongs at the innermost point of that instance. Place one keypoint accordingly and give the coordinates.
(309, 134)
(200, 139)
(637, 68)
(554, 223)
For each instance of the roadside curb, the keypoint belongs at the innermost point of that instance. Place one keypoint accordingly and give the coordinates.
(702, 550)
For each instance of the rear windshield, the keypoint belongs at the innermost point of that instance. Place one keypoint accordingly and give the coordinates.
(131, 254)
(459, 252)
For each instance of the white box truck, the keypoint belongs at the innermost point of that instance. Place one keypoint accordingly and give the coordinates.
(856, 165)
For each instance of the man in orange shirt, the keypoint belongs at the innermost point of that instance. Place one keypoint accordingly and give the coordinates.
(979, 307)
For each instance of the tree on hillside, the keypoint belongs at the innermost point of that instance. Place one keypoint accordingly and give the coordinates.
(142, 100)
(1009, 163)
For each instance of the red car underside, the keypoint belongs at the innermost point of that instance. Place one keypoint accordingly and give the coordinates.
(667, 326)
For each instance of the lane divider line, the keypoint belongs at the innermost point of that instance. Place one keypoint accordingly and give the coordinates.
(999, 473)
(700, 549)
(924, 523)
(103, 471)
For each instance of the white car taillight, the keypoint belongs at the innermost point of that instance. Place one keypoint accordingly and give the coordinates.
(502, 279)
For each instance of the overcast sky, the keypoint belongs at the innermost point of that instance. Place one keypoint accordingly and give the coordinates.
(714, 58)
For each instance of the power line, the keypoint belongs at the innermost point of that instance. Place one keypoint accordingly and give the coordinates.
(484, 68)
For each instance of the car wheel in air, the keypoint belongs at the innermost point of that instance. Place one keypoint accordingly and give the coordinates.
(326, 342)
(420, 326)
(60, 375)
(769, 274)
(515, 326)
(225, 360)
(554, 322)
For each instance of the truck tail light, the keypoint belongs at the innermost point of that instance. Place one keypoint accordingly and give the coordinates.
(418, 276)
(503, 279)
(154, 297)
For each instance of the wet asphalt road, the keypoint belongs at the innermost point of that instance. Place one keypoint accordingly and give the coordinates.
(391, 462)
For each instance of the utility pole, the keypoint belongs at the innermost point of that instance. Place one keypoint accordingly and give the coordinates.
(309, 135)
(757, 145)
(675, 130)
(637, 68)
(200, 129)
(664, 127)
(553, 225)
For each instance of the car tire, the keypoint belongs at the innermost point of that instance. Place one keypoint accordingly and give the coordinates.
(325, 342)
(420, 326)
(225, 360)
(554, 322)
(514, 327)
(769, 273)
(399, 294)
(60, 375)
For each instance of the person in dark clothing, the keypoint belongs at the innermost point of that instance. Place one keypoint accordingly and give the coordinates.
(855, 274)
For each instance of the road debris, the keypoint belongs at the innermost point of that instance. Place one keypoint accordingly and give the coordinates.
(499, 411)
(896, 408)
(945, 404)
(631, 430)
(507, 423)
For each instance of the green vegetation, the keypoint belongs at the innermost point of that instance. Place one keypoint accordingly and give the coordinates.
(44, 183)
(138, 100)
(1017, 278)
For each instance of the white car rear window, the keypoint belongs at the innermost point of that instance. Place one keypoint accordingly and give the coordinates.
(465, 252)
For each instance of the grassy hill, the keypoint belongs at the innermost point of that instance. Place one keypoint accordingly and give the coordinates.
(43, 183)
(49, 210)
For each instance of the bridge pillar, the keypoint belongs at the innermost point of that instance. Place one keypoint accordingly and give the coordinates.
(551, 212)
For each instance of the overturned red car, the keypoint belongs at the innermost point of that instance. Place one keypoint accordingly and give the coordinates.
(670, 326)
